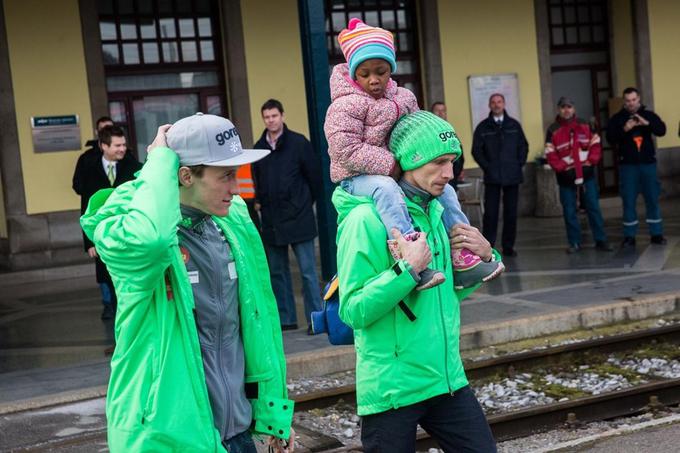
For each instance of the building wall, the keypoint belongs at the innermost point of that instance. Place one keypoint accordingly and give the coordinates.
(49, 78)
(664, 17)
(274, 61)
(506, 45)
(664, 43)
(623, 51)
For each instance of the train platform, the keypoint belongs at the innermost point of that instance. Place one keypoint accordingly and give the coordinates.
(52, 341)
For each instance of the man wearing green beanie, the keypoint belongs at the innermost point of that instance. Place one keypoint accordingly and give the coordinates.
(409, 369)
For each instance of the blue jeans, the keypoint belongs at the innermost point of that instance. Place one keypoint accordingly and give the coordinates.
(389, 202)
(240, 443)
(456, 422)
(591, 201)
(279, 268)
(107, 293)
(634, 179)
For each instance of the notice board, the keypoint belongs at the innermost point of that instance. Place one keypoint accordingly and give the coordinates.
(483, 86)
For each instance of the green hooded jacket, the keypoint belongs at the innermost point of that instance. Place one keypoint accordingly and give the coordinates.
(399, 361)
(157, 398)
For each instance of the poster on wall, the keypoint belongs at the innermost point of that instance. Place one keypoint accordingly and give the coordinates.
(481, 87)
(55, 133)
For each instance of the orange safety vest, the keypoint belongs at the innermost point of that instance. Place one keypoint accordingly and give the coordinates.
(245, 182)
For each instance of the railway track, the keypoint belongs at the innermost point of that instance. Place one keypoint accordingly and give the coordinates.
(524, 422)
(505, 426)
(608, 406)
(514, 363)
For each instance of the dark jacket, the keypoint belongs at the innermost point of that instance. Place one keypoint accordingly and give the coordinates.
(458, 165)
(627, 142)
(89, 177)
(500, 151)
(286, 182)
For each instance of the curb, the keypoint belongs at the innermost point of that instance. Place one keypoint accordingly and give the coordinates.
(486, 334)
(341, 358)
(46, 274)
(332, 359)
(41, 402)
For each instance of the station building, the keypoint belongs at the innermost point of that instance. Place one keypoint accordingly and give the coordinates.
(150, 62)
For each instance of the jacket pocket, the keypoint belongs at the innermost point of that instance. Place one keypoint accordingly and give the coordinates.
(258, 352)
(150, 405)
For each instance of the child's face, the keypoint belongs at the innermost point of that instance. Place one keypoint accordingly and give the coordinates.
(373, 75)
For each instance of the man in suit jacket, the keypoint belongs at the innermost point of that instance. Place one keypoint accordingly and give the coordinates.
(500, 148)
(105, 166)
(285, 186)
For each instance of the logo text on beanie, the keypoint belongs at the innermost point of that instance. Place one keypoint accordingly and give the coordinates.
(444, 136)
(416, 157)
(222, 137)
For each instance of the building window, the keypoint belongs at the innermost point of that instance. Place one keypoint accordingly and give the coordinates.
(157, 32)
(575, 24)
(397, 16)
(162, 61)
(581, 69)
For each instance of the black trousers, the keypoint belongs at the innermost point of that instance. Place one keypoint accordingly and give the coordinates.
(492, 201)
(456, 422)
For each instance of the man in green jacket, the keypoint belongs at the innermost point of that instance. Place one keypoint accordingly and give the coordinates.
(409, 369)
(199, 363)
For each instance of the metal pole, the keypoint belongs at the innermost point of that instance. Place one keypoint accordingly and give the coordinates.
(315, 61)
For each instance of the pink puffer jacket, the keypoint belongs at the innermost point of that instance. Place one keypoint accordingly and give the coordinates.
(358, 126)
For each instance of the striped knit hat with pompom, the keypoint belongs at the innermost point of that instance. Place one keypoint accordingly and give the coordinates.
(421, 137)
(360, 42)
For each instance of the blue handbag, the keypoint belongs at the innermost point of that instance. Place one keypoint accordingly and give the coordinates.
(328, 320)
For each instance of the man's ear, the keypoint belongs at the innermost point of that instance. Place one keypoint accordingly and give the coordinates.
(186, 178)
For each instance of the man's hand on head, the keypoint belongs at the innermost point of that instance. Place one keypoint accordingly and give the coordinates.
(160, 140)
(416, 253)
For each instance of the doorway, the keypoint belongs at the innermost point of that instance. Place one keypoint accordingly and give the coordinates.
(162, 62)
(580, 66)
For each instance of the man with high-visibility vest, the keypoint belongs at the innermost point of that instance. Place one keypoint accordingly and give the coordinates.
(286, 182)
(246, 187)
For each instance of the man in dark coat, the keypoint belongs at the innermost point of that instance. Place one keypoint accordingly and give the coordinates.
(285, 185)
(107, 165)
(500, 148)
(632, 130)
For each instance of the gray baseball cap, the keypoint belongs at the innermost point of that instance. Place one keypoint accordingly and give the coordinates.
(204, 139)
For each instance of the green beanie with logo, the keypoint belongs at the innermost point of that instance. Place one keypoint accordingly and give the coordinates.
(421, 137)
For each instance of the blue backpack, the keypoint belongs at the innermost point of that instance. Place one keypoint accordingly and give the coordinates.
(328, 320)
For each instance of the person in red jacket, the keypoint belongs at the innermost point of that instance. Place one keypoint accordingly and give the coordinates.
(573, 151)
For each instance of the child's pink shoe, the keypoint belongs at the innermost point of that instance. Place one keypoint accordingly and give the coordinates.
(464, 259)
(469, 269)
